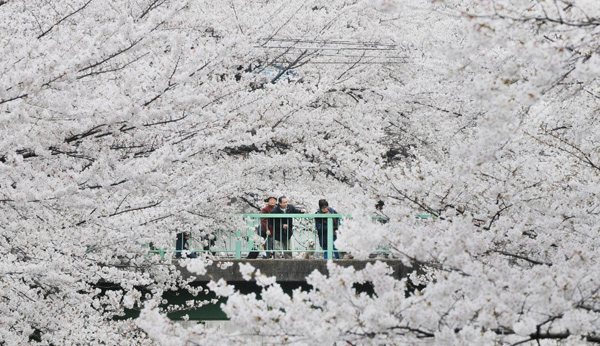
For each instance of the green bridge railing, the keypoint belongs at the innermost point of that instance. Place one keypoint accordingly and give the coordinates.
(240, 243)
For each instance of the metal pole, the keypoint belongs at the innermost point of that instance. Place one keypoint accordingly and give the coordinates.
(329, 238)
(250, 235)
(238, 244)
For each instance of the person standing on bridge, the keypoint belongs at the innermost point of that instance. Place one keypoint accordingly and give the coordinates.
(182, 246)
(267, 226)
(321, 225)
(283, 227)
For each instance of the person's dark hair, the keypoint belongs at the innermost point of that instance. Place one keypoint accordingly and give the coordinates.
(379, 205)
(281, 198)
(323, 203)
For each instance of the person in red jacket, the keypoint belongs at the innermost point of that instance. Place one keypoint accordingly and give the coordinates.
(266, 230)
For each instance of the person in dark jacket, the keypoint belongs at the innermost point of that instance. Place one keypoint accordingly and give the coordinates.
(284, 227)
(182, 246)
(380, 216)
(321, 225)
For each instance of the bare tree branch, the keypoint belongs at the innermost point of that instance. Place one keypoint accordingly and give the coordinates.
(95, 73)
(522, 258)
(90, 132)
(14, 98)
(155, 4)
(111, 56)
(415, 201)
(136, 209)
(63, 19)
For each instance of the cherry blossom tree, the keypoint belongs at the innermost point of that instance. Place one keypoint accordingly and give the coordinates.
(124, 122)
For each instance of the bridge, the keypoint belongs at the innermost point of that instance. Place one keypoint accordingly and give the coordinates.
(229, 249)
(294, 270)
(310, 232)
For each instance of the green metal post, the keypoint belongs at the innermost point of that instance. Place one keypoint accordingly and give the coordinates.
(238, 244)
(329, 238)
(251, 234)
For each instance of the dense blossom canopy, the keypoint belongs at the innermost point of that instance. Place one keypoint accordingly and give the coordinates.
(125, 120)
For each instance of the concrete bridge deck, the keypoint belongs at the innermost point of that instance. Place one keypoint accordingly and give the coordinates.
(288, 270)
